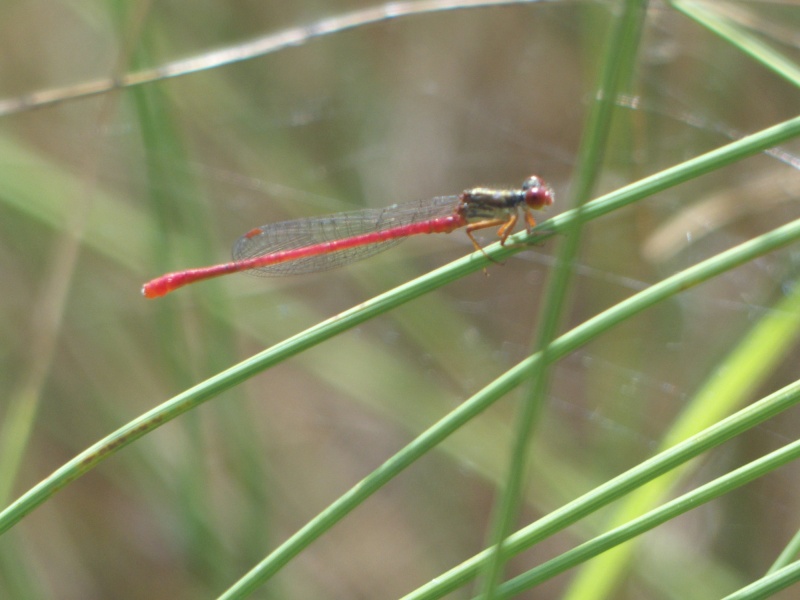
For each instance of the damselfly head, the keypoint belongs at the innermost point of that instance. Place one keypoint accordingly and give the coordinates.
(537, 193)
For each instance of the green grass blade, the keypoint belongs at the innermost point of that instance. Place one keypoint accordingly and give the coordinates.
(623, 40)
(789, 553)
(737, 37)
(769, 584)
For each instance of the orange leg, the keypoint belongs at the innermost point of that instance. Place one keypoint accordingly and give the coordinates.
(485, 225)
(505, 228)
(529, 220)
(530, 223)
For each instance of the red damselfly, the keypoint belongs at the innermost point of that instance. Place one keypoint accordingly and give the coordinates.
(321, 243)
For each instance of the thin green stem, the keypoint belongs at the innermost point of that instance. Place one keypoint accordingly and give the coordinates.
(741, 39)
(788, 555)
(617, 65)
(770, 584)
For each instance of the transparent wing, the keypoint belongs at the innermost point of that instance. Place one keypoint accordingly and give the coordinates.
(300, 233)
